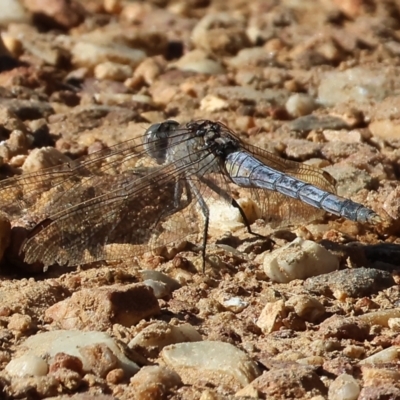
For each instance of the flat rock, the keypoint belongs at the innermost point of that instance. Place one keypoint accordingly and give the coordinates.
(355, 283)
(100, 308)
(79, 344)
(211, 362)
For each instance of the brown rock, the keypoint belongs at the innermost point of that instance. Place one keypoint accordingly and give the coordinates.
(56, 13)
(289, 383)
(155, 382)
(98, 309)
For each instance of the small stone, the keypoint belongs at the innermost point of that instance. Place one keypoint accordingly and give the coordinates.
(357, 282)
(21, 323)
(300, 104)
(27, 365)
(392, 203)
(271, 317)
(160, 334)
(171, 283)
(306, 307)
(197, 61)
(354, 352)
(90, 55)
(148, 70)
(66, 361)
(278, 382)
(12, 11)
(234, 304)
(155, 382)
(112, 71)
(57, 13)
(299, 260)
(344, 387)
(50, 344)
(389, 355)
(211, 103)
(160, 289)
(340, 327)
(117, 304)
(358, 85)
(318, 122)
(98, 358)
(394, 324)
(44, 157)
(220, 33)
(211, 362)
(115, 376)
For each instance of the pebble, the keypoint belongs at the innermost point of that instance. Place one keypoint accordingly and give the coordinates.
(161, 334)
(296, 379)
(85, 54)
(89, 347)
(271, 317)
(391, 203)
(20, 323)
(113, 71)
(358, 85)
(344, 387)
(234, 304)
(211, 362)
(394, 324)
(220, 33)
(197, 61)
(250, 57)
(100, 308)
(27, 365)
(389, 355)
(12, 11)
(155, 382)
(57, 13)
(300, 104)
(340, 327)
(44, 157)
(212, 103)
(306, 307)
(299, 259)
(317, 122)
(171, 283)
(160, 289)
(357, 282)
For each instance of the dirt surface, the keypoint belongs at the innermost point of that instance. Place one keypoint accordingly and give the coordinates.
(312, 314)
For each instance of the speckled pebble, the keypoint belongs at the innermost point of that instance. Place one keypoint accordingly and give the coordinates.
(356, 282)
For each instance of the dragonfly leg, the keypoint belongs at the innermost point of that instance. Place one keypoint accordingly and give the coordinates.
(206, 213)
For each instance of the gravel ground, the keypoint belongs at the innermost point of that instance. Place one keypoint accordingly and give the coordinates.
(313, 314)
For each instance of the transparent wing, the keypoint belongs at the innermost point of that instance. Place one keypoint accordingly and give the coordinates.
(136, 211)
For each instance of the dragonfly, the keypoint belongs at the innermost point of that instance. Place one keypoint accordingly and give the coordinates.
(140, 195)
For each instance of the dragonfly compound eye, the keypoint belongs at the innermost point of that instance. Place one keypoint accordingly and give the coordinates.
(156, 139)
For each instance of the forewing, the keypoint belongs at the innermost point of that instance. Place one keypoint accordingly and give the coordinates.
(48, 189)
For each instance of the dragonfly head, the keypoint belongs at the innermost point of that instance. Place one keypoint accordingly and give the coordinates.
(155, 139)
